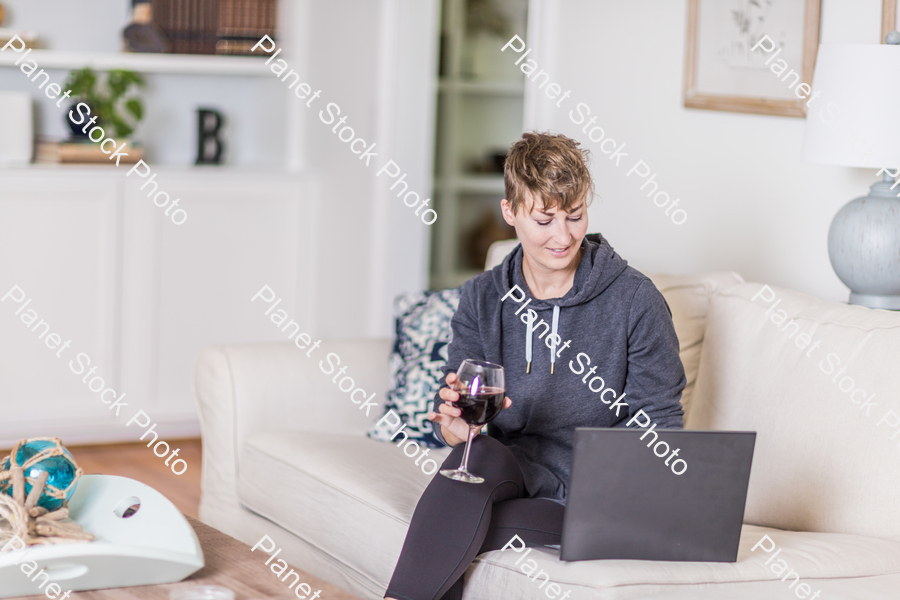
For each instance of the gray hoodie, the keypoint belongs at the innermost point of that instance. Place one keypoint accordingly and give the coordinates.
(617, 353)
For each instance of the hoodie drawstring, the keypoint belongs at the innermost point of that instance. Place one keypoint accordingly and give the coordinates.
(554, 337)
(529, 337)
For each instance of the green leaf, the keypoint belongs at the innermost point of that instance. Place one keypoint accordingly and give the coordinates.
(82, 82)
(120, 80)
(122, 128)
(136, 108)
(136, 78)
(103, 109)
(117, 84)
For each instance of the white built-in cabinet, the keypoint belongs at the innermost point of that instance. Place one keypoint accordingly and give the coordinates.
(110, 271)
(136, 293)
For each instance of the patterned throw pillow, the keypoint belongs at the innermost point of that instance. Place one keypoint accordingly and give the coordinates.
(419, 354)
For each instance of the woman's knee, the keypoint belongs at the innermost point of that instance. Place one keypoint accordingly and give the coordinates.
(487, 454)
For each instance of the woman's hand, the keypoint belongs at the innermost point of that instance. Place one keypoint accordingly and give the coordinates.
(453, 428)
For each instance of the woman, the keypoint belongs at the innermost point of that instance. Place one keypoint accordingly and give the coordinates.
(613, 330)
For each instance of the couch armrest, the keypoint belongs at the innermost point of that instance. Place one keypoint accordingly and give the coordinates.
(242, 389)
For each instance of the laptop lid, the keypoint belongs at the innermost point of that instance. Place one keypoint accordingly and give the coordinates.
(624, 502)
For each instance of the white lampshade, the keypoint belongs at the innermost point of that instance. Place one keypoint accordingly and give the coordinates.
(855, 122)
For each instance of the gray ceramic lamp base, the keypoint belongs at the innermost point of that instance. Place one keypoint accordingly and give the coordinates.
(864, 247)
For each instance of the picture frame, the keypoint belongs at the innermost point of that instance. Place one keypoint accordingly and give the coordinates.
(888, 17)
(721, 71)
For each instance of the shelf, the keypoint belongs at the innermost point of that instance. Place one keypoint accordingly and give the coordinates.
(179, 64)
(477, 117)
(484, 88)
(454, 279)
(45, 171)
(473, 184)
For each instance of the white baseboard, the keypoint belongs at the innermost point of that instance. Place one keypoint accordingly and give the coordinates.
(78, 432)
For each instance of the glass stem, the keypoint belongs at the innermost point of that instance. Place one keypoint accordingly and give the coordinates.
(465, 461)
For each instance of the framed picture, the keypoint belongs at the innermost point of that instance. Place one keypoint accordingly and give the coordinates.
(888, 17)
(723, 71)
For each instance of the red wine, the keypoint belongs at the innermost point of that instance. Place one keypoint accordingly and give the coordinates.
(482, 407)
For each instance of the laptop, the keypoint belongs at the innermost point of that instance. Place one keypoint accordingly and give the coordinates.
(624, 502)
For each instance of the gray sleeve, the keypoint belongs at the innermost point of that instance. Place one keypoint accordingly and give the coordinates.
(655, 377)
(465, 341)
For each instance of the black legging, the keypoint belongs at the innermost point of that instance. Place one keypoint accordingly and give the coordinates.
(456, 521)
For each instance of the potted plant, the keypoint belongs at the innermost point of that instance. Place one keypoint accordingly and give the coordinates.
(113, 103)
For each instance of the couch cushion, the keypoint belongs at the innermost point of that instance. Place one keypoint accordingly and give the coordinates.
(304, 482)
(815, 557)
(498, 251)
(876, 587)
(688, 297)
(824, 461)
(350, 496)
(422, 334)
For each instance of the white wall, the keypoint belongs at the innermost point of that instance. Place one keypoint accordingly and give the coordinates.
(377, 62)
(407, 99)
(752, 206)
(92, 27)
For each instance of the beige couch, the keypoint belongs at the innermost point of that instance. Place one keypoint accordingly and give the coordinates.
(284, 454)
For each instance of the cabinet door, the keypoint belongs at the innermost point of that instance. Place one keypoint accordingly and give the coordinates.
(189, 286)
(58, 244)
(137, 295)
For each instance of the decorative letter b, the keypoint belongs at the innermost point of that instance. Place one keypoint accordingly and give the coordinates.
(209, 146)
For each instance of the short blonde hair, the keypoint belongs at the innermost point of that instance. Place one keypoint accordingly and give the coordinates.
(552, 167)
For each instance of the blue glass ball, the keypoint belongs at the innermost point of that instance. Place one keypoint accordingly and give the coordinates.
(61, 471)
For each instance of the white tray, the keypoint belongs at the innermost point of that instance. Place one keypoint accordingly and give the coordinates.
(153, 546)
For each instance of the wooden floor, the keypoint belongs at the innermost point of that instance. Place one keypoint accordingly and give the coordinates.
(137, 461)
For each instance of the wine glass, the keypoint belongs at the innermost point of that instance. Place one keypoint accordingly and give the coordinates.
(481, 391)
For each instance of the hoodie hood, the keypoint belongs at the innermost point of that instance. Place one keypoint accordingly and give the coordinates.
(598, 268)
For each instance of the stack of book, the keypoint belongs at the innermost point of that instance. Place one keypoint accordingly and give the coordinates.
(87, 152)
(242, 23)
(215, 26)
(29, 37)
